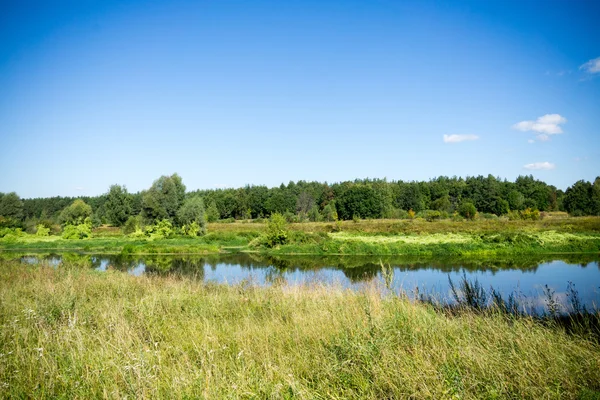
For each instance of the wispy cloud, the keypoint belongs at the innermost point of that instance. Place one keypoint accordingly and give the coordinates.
(540, 165)
(544, 126)
(459, 138)
(592, 66)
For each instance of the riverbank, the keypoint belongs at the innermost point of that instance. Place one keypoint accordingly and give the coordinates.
(85, 334)
(480, 238)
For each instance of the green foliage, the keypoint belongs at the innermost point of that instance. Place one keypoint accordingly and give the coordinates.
(132, 224)
(11, 207)
(583, 198)
(432, 215)
(76, 213)
(161, 230)
(41, 230)
(515, 200)
(212, 212)
(314, 215)
(192, 229)
(118, 205)
(192, 212)
(467, 210)
(442, 204)
(360, 200)
(79, 231)
(529, 214)
(163, 199)
(277, 230)
(330, 212)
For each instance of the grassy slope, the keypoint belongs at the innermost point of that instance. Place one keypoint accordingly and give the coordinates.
(377, 237)
(77, 333)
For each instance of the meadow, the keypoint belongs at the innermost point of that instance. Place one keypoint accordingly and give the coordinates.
(417, 237)
(78, 333)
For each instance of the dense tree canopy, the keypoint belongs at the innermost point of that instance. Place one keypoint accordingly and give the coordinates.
(11, 208)
(163, 199)
(117, 207)
(365, 198)
(76, 213)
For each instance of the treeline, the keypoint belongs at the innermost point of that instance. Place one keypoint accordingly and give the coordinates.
(315, 201)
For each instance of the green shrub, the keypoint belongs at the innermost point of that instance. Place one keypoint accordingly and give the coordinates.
(41, 230)
(432, 215)
(79, 231)
(193, 229)
(529, 214)
(132, 224)
(161, 230)
(277, 230)
(467, 210)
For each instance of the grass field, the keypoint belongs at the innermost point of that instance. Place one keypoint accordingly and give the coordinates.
(77, 333)
(417, 237)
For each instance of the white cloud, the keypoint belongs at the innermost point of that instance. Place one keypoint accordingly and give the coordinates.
(548, 124)
(543, 137)
(531, 141)
(592, 66)
(540, 165)
(459, 138)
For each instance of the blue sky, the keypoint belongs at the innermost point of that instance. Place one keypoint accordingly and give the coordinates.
(228, 93)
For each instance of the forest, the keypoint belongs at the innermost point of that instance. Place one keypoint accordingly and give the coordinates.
(439, 198)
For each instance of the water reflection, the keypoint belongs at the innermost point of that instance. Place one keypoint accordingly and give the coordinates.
(525, 275)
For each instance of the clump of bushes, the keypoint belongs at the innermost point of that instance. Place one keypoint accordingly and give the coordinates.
(432, 215)
(276, 234)
(467, 210)
(42, 230)
(78, 231)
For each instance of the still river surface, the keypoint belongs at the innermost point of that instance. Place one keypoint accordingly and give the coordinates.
(528, 278)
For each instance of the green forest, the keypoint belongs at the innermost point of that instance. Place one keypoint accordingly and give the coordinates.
(168, 200)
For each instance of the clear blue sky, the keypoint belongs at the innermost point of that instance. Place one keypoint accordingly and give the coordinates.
(228, 93)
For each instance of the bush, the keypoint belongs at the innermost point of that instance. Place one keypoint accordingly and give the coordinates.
(529, 214)
(314, 215)
(277, 232)
(41, 230)
(330, 212)
(131, 225)
(398, 213)
(161, 230)
(467, 210)
(432, 215)
(193, 229)
(80, 231)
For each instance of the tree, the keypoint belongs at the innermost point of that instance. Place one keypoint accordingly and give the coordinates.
(118, 205)
(76, 213)
(11, 208)
(578, 198)
(442, 204)
(330, 212)
(515, 200)
(212, 212)
(360, 201)
(276, 232)
(304, 204)
(192, 213)
(164, 198)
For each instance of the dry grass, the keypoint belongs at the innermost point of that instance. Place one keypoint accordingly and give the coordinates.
(76, 333)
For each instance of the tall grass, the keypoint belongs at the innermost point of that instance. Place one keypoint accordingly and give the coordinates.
(74, 333)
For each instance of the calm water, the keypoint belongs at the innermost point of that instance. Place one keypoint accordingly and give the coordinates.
(525, 276)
